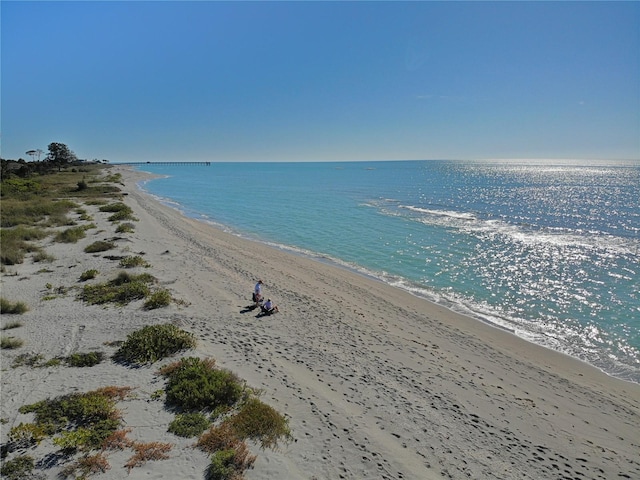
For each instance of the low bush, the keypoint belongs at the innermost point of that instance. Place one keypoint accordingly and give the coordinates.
(89, 359)
(196, 385)
(99, 246)
(26, 435)
(17, 468)
(189, 424)
(83, 420)
(88, 275)
(258, 421)
(229, 456)
(123, 289)
(7, 306)
(70, 235)
(133, 261)
(115, 207)
(125, 227)
(158, 299)
(153, 343)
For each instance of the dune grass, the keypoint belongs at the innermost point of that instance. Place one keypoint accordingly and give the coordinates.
(6, 306)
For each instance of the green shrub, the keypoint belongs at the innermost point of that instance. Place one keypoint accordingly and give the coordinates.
(133, 261)
(70, 235)
(26, 435)
(189, 424)
(84, 359)
(158, 299)
(153, 343)
(9, 343)
(88, 275)
(121, 290)
(86, 419)
(221, 466)
(125, 227)
(18, 468)
(12, 307)
(121, 216)
(196, 385)
(120, 294)
(115, 207)
(258, 421)
(99, 246)
(230, 462)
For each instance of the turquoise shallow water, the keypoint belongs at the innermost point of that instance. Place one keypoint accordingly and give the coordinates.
(550, 252)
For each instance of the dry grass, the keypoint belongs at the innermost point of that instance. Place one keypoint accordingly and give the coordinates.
(118, 440)
(148, 451)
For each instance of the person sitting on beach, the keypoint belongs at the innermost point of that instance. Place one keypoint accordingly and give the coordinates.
(268, 308)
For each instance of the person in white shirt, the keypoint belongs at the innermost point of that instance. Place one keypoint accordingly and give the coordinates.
(269, 307)
(257, 293)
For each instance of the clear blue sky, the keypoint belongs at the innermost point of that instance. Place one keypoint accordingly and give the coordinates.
(300, 81)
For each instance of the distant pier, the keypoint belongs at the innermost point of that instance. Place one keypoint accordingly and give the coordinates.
(206, 164)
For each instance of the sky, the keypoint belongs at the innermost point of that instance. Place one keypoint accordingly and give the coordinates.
(321, 81)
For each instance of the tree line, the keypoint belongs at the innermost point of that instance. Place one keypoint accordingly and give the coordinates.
(58, 157)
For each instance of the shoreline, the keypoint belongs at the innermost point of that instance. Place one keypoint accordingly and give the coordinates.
(377, 382)
(625, 373)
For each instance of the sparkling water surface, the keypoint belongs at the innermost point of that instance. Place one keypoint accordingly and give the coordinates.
(550, 252)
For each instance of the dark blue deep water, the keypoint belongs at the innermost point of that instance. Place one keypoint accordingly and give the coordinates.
(550, 252)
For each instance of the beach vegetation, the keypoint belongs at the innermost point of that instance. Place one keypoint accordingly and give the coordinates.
(122, 216)
(120, 294)
(230, 463)
(88, 274)
(115, 207)
(133, 261)
(82, 420)
(126, 227)
(6, 306)
(70, 235)
(35, 211)
(16, 243)
(42, 256)
(26, 435)
(82, 184)
(114, 178)
(255, 420)
(99, 246)
(89, 359)
(230, 456)
(153, 343)
(13, 324)
(18, 468)
(145, 452)
(195, 384)
(10, 343)
(158, 299)
(118, 440)
(87, 465)
(120, 212)
(189, 425)
(28, 359)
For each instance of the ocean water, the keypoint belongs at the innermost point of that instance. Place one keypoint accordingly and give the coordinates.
(548, 251)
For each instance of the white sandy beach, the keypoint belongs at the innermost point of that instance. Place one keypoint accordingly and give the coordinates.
(377, 383)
